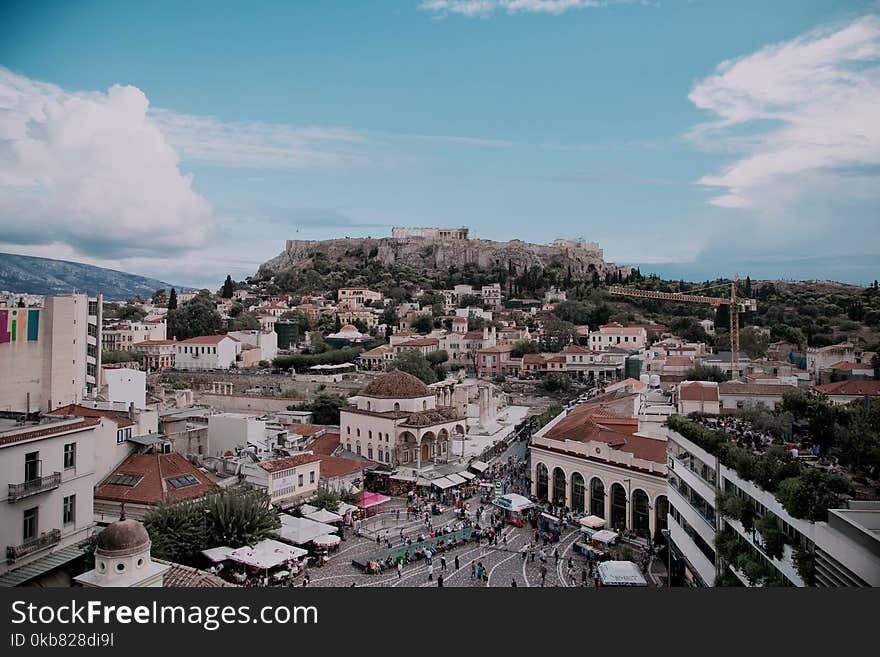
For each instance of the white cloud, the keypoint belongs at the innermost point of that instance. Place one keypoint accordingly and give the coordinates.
(92, 170)
(486, 8)
(801, 117)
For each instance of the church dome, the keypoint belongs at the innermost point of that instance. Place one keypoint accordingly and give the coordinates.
(397, 385)
(121, 538)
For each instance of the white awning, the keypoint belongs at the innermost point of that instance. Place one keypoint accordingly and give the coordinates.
(455, 479)
(326, 540)
(300, 531)
(620, 573)
(217, 554)
(513, 502)
(467, 475)
(307, 509)
(266, 554)
(479, 466)
(325, 516)
(592, 522)
(605, 536)
(442, 483)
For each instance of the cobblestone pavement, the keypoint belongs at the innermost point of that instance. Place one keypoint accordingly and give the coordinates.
(503, 562)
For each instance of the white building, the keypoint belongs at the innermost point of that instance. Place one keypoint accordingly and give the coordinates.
(48, 475)
(207, 352)
(286, 479)
(123, 335)
(228, 431)
(126, 385)
(616, 335)
(698, 397)
(50, 356)
(256, 346)
(122, 559)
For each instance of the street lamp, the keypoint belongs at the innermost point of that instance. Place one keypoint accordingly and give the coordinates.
(665, 533)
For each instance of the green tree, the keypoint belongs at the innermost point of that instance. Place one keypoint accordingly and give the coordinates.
(305, 324)
(423, 324)
(557, 334)
(198, 317)
(556, 382)
(247, 322)
(522, 347)
(159, 297)
(325, 408)
(470, 300)
(172, 300)
(228, 288)
(236, 517)
(705, 373)
(415, 363)
(319, 346)
(771, 536)
(132, 313)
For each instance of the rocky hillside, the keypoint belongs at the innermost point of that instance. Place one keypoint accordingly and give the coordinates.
(30, 275)
(439, 255)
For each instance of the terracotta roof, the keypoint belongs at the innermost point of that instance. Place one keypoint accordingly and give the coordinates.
(419, 342)
(473, 335)
(698, 391)
(576, 349)
(497, 349)
(459, 320)
(849, 367)
(614, 327)
(119, 417)
(325, 445)
(679, 361)
(396, 384)
(381, 350)
(289, 462)
(534, 359)
(306, 430)
(860, 388)
(50, 430)
(179, 576)
(155, 471)
(334, 466)
(150, 343)
(770, 389)
(207, 339)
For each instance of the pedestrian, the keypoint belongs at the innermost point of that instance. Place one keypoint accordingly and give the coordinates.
(583, 576)
(440, 581)
(456, 562)
(443, 564)
(556, 555)
(513, 582)
(525, 554)
(543, 574)
(430, 572)
(473, 569)
(399, 569)
(570, 563)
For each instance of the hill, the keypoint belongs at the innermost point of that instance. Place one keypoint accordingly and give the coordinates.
(31, 275)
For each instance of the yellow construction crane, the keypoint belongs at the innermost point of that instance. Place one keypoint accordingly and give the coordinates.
(737, 305)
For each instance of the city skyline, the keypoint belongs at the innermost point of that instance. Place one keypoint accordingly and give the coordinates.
(168, 142)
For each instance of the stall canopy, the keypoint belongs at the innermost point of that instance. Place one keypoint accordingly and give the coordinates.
(592, 522)
(367, 500)
(455, 479)
(307, 509)
(466, 475)
(323, 515)
(620, 573)
(217, 554)
(345, 508)
(326, 540)
(479, 466)
(300, 531)
(605, 536)
(442, 482)
(513, 502)
(266, 554)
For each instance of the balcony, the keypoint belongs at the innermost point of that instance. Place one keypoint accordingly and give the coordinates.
(34, 486)
(41, 542)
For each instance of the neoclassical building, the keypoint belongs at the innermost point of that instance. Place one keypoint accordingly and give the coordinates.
(593, 461)
(398, 420)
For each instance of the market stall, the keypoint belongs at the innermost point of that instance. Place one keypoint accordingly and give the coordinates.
(324, 516)
(620, 573)
(550, 526)
(300, 531)
(513, 507)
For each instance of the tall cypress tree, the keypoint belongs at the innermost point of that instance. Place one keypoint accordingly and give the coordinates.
(228, 288)
(172, 299)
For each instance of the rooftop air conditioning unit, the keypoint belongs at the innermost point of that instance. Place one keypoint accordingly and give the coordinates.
(167, 447)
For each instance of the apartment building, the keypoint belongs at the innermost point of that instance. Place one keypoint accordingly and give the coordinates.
(158, 354)
(207, 352)
(50, 356)
(355, 298)
(48, 474)
(286, 479)
(615, 335)
(123, 335)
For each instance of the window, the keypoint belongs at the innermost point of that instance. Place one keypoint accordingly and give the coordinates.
(29, 530)
(311, 476)
(68, 512)
(124, 480)
(183, 481)
(358, 432)
(31, 466)
(69, 455)
(370, 434)
(299, 480)
(348, 430)
(370, 452)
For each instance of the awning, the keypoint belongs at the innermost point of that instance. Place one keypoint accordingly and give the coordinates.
(467, 475)
(307, 509)
(217, 554)
(479, 466)
(326, 540)
(367, 500)
(300, 531)
(605, 536)
(146, 439)
(402, 477)
(442, 483)
(41, 566)
(513, 502)
(266, 554)
(455, 479)
(325, 516)
(592, 522)
(620, 573)
(345, 508)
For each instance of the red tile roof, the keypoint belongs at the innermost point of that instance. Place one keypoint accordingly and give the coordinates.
(698, 391)
(679, 361)
(334, 466)
(289, 462)
(325, 445)
(855, 388)
(207, 339)
(119, 417)
(155, 470)
(849, 367)
(306, 430)
(419, 342)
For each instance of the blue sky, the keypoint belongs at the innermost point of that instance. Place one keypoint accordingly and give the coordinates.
(695, 138)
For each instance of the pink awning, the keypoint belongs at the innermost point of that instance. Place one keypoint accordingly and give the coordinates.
(367, 500)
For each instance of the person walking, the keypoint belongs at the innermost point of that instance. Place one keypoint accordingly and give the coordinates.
(430, 572)
(513, 582)
(473, 569)
(443, 564)
(399, 569)
(440, 581)
(456, 562)
(556, 555)
(543, 574)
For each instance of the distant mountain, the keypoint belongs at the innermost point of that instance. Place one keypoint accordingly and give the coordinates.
(46, 276)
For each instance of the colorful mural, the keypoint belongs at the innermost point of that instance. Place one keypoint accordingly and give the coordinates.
(19, 325)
